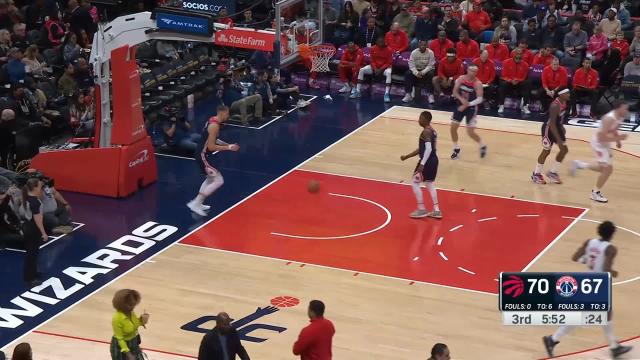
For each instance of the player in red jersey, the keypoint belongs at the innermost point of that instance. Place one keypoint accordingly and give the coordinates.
(553, 132)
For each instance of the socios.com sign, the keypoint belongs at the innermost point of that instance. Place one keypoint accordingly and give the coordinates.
(210, 6)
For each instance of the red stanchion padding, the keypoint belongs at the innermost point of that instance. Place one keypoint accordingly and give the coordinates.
(138, 167)
(128, 123)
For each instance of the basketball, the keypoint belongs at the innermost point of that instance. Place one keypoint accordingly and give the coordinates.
(314, 186)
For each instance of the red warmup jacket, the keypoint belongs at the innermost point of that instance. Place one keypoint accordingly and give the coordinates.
(623, 45)
(513, 71)
(554, 79)
(448, 69)
(440, 50)
(381, 58)
(357, 57)
(540, 59)
(397, 42)
(585, 79)
(527, 56)
(500, 52)
(470, 50)
(314, 341)
(478, 21)
(486, 70)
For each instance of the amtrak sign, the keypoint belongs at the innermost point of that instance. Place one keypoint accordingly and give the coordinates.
(183, 22)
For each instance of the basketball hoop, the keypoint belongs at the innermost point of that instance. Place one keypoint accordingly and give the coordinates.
(320, 56)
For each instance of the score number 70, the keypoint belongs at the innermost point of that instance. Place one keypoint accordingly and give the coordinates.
(587, 286)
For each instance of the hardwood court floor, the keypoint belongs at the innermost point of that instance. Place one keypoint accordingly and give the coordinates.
(376, 317)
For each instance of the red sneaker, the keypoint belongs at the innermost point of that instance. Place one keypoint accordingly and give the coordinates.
(538, 179)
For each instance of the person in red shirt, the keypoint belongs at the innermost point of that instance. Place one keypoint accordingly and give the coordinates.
(497, 50)
(467, 48)
(544, 56)
(621, 43)
(585, 85)
(350, 64)
(527, 55)
(441, 45)
(314, 341)
(381, 60)
(223, 18)
(487, 75)
(477, 20)
(449, 69)
(513, 81)
(396, 39)
(554, 77)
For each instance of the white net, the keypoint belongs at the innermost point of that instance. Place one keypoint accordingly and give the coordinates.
(320, 56)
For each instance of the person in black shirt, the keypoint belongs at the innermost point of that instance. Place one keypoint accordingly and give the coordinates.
(368, 35)
(80, 19)
(553, 34)
(33, 228)
(10, 232)
(223, 342)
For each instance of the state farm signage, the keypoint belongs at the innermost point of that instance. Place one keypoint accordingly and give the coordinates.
(246, 39)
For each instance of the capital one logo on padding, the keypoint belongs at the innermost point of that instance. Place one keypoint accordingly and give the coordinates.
(248, 324)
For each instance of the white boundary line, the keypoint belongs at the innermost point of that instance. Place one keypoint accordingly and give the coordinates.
(71, 306)
(339, 269)
(312, 97)
(387, 221)
(175, 156)
(76, 226)
(440, 188)
(575, 221)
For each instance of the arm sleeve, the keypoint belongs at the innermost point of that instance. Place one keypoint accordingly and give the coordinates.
(427, 152)
(118, 334)
(477, 101)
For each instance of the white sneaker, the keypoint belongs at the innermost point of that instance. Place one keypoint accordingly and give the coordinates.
(196, 208)
(431, 99)
(597, 196)
(205, 207)
(525, 110)
(573, 169)
(418, 214)
(407, 98)
(500, 109)
(345, 89)
(301, 103)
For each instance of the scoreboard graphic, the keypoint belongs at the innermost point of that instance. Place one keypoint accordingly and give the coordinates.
(555, 298)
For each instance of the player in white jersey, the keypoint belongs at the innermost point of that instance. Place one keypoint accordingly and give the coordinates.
(598, 255)
(601, 144)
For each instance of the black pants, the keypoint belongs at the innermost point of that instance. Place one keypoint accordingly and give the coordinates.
(520, 89)
(282, 100)
(582, 94)
(10, 239)
(490, 93)
(411, 80)
(32, 240)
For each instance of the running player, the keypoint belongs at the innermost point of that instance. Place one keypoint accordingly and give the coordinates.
(598, 254)
(210, 145)
(468, 90)
(427, 168)
(553, 132)
(601, 145)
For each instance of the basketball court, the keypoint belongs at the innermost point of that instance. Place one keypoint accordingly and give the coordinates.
(393, 285)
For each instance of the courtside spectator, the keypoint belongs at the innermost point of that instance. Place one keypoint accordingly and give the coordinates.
(544, 56)
(621, 44)
(262, 88)
(22, 352)
(554, 77)
(125, 343)
(506, 27)
(422, 65)
(67, 83)
(222, 342)
(513, 81)
(575, 42)
(633, 67)
(440, 351)
(585, 84)
(54, 30)
(19, 36)
(531, 34)
(82, 114)
(238, 103)
(347, 25)
(16, 69)
(625, 17)
(32, 228)
(405, 20)
(441, 45)
(540, 16)
(497, 50)
(349, 67)
(467, 48)
(10, 227)
(286, 91)
(25, 106)
(70, 47)
(477, 20)
(449, 69)
(527, 55)
(594, 16)
(425, 28)
(381, 61)
(223, 18)
(56, 210)
(368, 36)
(396, 39)
(449, 24)
(598, 43)
(315, 340)
(552, 34)
(487, 75)
(80, 19)
(611, 25)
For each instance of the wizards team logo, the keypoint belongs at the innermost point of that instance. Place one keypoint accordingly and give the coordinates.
(566, 286)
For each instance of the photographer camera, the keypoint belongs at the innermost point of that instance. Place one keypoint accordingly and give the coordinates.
(178, 134)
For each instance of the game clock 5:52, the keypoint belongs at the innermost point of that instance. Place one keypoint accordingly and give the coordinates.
(554, 319)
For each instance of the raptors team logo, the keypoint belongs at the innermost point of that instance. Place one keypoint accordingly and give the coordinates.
(514, 286)
(566, 286)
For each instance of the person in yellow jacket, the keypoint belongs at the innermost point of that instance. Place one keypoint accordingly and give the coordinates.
(125, 344)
